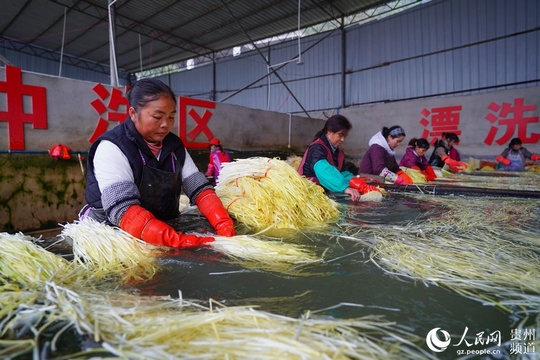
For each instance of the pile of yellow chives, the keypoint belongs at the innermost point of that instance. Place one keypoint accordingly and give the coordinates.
(263, 254)
(24, 263)
(263, 193)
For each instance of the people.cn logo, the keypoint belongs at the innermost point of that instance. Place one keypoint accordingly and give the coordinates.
(435, 343)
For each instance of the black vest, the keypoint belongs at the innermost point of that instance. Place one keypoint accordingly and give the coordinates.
(434, 159)
(131, 143)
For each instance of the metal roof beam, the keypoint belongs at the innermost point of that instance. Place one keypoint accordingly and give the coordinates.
(128, 24)
(53, 55)
(267, 63)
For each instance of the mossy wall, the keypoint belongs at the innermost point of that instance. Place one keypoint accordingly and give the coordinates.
(38, 192)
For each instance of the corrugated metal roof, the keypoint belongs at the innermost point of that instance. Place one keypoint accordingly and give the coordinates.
(164, 31)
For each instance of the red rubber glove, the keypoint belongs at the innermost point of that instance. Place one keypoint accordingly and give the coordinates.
(405, 179)
(142, 224)
(211, 207)
(504, 160)
(455, 165)
(430, 173)
(535, 157)
(360, 185)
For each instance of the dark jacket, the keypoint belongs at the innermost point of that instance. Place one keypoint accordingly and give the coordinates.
(318, 150)
(376, 159)
(436, 156)
(131, 143)
(411, 158)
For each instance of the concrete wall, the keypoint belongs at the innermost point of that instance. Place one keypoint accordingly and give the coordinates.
(503, 114)
(247, 129)
(76, 109)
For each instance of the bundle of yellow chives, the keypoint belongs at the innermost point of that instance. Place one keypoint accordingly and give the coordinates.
(108, 250)
(372, 196)
(251, 252)
(262, 193)
(25, 263)
(473, 271)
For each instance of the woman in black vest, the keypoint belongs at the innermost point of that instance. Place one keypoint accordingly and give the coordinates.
(441, 153)
(137, 170)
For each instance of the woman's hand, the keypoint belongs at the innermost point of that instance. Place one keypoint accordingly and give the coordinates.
(355, 194)
(211, 207)
(360, 184)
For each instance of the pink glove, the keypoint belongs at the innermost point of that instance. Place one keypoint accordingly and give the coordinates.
(535, 157)
(400, 181)
(209, 171)
(403, 175)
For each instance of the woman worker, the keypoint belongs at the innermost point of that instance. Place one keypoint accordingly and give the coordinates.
(218, 156)
(136, 172)
(441, 153)
(323, 160)
(415, 158)
(514, 156)
(380, 159)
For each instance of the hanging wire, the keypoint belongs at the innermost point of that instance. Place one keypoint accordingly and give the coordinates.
(63, 41)
(299, 62)
(114, 70)
(140, 52)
